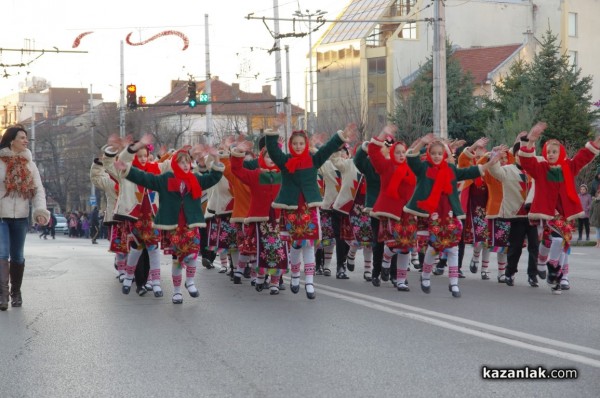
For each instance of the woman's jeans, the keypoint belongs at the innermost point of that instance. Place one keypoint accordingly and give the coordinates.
(12, 239)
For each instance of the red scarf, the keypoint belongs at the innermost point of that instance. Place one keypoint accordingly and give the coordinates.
(262, 164)
(189, 179)
(149, 167)
(302, 160)
(566, 170)
(442, 177)
(402, 174)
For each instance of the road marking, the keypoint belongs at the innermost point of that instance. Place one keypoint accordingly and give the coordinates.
(428, 316)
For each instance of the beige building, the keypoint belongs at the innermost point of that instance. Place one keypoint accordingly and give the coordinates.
(361, 64)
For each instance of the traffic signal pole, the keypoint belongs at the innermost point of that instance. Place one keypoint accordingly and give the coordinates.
(207, 87)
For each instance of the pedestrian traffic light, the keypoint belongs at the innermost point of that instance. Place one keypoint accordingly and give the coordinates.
(142, 100)
(131, 96)
(192, 101)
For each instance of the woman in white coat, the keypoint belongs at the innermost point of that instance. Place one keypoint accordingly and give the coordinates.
(20, 185)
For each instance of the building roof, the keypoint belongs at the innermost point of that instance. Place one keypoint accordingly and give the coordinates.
(221, 91)
(480, 61)
(357, 10)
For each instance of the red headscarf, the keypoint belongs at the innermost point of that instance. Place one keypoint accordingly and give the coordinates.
(566, 170)
(402, 174)
(149, 167)
(442, 176)
(302, 160)
(261, 161)
(189, 179)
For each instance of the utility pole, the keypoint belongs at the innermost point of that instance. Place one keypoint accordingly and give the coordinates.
(32, 133)
(440, 103)
(278, 83)
(288, 106)
(122, 96)
(207, 85)
(92, 146)
(310, 15)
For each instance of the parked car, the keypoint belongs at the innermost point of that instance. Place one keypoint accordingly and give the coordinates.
(61, 225)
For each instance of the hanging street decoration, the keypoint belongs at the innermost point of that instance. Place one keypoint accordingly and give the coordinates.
(183, 37)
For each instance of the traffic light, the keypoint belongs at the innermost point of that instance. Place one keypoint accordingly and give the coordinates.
(192, 101)
(131, 96)
(142, 100)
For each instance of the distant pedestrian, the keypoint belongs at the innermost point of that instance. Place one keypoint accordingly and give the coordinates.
(586, 202)
(94, 225)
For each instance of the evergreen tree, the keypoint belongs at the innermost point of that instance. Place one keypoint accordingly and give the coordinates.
(414, 113)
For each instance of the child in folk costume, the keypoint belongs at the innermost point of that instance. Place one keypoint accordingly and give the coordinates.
(474, 198)
(261, 227)
(136, 206)
(373, 183)
(180, 212)
(498, 229)
(397, 228)
(555, 200)
(355, 224)
(436, 198)
(512, 203)
(117, 235)
(299, 198)
(218, 214)
(329, 185)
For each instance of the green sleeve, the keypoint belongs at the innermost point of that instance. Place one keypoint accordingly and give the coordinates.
(327, 150)
(147, 180)
(276, 154)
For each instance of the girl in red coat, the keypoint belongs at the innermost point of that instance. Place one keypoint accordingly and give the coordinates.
(261, 226)
(555, 200)
(397, 229)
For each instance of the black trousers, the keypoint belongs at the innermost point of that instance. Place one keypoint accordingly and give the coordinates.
(204, 252)
(341, 247)
(378, 248)
(520, 228)
(142, 269)
(584, 223)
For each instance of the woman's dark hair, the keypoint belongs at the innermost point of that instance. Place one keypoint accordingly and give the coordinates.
(10, 134)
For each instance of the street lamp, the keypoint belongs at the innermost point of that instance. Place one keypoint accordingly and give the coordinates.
(310, 15)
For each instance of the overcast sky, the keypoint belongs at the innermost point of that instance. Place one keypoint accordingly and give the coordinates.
(237, 45)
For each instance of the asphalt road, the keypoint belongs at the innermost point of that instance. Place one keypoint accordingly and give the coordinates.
(77, 335)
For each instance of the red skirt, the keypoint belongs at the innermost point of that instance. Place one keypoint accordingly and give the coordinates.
(262, 239)
(398, 234)
(303, 223)
(222, 235)
(119, 241)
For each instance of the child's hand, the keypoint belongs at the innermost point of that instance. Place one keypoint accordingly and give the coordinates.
(427, 139)
(318, 139)
(522, 134)
(147, 139)
(351, 132)
(388, 130)
(244, 146)
(536, 131)
(454, 145)
(120, 165)
(481, 143)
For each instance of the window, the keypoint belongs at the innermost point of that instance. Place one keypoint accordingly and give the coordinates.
(409, 31)
(573, 58)
(572, 24)
(377, 66)
(401, 7)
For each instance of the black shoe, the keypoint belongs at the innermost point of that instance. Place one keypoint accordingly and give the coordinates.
(473, 266)
(310, 296)
(402, 287)
(207, 264)
(326, 272)
(556, 289)
(141, 291)
(195, 293)
(319, 271)
(295, 289)
(367, 276)
(541, 274)
(126, 289)
(438, 271)
(564, 285)
(253, 283)
(350, 266)
(177, 298)
(510, 280)
(385, 274)
(247, 272)
(258, 287)
(341, 275)
(157, 293)
(281, 284)
(376, 282)
(485, 275)
(456, 293)
(425, 289)
(273, 291)
(533, 281)
(237, 280)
